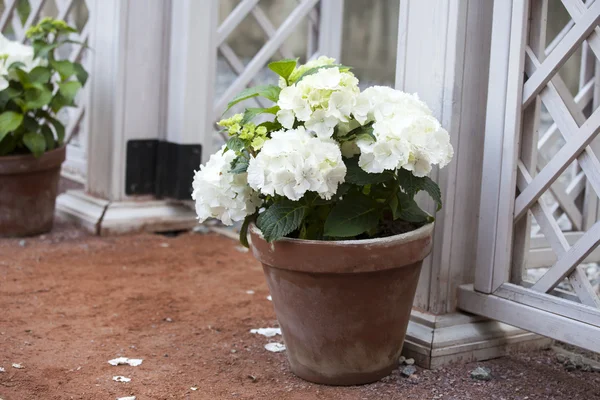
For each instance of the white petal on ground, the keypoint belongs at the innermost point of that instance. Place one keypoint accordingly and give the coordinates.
(17, 366)
(134, 362)
(275, 347)
(120, 378)
(268, 332)
(269, 298)
(127, 398)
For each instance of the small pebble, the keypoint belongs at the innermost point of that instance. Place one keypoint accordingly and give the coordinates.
(2, 369)
(249, 291)
(252, 378)
(481, 374)
(561, 358)
(414, 379)
(570, 366)
(269, 298)
(401, 360)
(164, 245)
(409, 361)
(17, 366)
(241, 249)
(233, 350)
(194, 388)
(22, 243)
(409, 370)
(168, 320)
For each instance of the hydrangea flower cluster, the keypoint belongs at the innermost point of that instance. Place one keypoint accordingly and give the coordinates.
(320, 101)
(221, 194)
(406, 135)
(331, 162)
(294, 162)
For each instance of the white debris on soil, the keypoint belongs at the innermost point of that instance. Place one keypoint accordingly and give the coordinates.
(17, 366)
(126, 398)
(249, 291)
(269, 298)
(120, 378)
(134, 362)
(194, 388)
(268, 332)
(241, 249)
(164, 245)
(2, 369)
(275, 347)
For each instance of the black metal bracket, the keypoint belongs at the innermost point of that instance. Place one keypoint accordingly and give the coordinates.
(161, 168)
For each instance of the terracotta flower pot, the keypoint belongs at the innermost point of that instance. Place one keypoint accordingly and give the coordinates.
(28, 189)
(343, 306)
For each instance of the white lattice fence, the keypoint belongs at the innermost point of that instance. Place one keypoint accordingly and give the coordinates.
(15, 18)
(323, 21)
(548, 175)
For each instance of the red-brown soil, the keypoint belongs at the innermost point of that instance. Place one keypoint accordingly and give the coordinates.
(70, 302)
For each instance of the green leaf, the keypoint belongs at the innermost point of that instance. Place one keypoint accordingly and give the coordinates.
(358, 176)
(270, 92)
(48, 137)
(9, 121)
(414, 184)
(244, 230)
(58, 102)
(37, 98)
(59, 128)
(69, 89)
(353, 215)
(271, 126)
(81, 74)
(40, 75)
(65, 68)
(408, 210)
(235, 143)
(239, 165)
(35, 143)
(284, 68)
(364, 131)
(41, 48)
(250, 113)
(281, 219)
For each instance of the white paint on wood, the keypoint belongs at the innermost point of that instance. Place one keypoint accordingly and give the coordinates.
(540, 321)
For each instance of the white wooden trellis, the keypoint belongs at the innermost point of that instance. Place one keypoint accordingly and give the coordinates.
(16, 17)
(324, 33)
(519, 173)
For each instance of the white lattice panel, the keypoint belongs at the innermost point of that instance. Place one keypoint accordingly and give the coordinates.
(246, 73)
(15, 18)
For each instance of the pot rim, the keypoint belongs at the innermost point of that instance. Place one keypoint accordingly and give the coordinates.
(418, 233)
(26, 163)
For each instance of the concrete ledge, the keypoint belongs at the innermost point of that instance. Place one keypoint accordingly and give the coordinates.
(435, 341)
(109, 218)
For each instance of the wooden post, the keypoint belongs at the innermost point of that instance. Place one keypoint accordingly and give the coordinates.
(443, 55)
(128, 92)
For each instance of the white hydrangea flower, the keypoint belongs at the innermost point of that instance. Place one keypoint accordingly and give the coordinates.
(12, 52)
(381, 102)
(407, 135)
(320, 100)
(294, 162)
(219, 193)
(413, 143)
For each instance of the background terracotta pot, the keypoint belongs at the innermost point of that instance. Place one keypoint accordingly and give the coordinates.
(343, 306)
(28, 189)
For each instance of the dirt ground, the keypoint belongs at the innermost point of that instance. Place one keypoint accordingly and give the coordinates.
(70, 302)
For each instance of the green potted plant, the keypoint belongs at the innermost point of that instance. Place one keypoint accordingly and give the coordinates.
(34, 86)
(326, 188)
